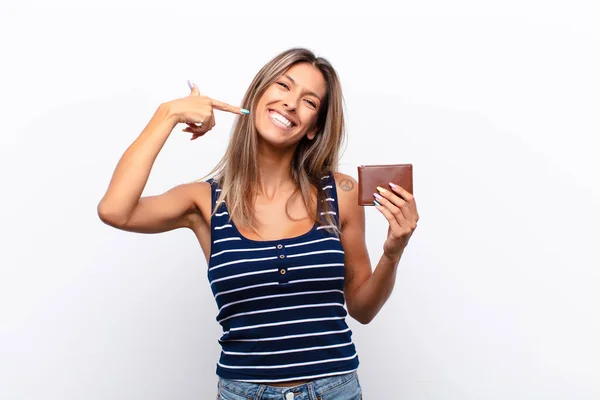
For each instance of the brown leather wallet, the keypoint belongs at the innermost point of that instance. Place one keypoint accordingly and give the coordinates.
(371, 176)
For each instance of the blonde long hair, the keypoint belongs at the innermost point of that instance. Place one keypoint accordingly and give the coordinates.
(237, 172)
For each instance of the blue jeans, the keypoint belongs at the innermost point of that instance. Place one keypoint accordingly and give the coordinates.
(339, 387)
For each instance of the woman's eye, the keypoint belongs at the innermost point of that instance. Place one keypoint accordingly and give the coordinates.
(312, 103)
(283, 85)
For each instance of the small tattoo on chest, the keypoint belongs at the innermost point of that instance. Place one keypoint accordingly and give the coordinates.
(346, 185)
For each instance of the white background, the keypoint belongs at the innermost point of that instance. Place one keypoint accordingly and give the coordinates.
(495, 103)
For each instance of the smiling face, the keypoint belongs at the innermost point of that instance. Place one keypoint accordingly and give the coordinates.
(289, 108)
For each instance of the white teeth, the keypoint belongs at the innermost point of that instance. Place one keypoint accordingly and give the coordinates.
(280, 118)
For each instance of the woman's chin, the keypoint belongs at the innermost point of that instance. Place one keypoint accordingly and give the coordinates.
(275, 138)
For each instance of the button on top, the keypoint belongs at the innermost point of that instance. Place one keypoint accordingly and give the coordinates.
(289, 396)
(279, 246)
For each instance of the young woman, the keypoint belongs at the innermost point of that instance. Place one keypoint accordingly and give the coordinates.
(281, 229)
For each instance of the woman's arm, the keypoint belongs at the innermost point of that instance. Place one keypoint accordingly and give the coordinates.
(122, 206)
(181, 206)
(366, 291)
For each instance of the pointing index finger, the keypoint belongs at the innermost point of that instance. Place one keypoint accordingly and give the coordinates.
(219, 105)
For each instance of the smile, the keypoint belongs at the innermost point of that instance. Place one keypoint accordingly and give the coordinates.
(280, 120)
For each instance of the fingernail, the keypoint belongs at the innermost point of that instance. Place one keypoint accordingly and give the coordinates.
(393, 185)
(381, 190)
(376, 203)
(377, 196)
(244, 111)
(190, 84)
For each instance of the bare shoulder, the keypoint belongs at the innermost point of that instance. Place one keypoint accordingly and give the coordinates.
(347, 191)
(199, 188)
(201, 194)
(346, 185)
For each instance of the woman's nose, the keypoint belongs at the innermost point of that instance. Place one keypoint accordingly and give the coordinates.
(291, 102)
(289, 106)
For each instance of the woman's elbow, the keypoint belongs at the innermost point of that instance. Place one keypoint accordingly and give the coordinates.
(109, 216)
(361, 317)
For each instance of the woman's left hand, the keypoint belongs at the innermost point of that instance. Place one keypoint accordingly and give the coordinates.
(399, 208)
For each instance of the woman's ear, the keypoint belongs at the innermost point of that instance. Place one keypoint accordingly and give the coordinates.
(310, 135)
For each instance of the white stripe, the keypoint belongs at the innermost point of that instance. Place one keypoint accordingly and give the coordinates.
(288, 365)
(297, 321)
(269, 310)
(226, 239)
(327, 187)
(273, 296)
(299, 378)
(327, 227)
(287, 337)
(315, 252)
(316, 266)
(244, 274)
(236, 250)
(325, 177)
(270, 353)
(316, 280)
(221, 214)
(246, 288)
(222, 227)
(311, 242)
(329, 212)
(217, 190)
(329, 199)
(241, 261)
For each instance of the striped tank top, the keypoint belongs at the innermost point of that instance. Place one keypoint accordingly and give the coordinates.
(280, 302)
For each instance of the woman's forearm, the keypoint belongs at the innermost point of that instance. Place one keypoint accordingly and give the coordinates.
(133, 169)
(372, 294)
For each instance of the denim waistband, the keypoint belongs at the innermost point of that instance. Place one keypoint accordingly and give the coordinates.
(307, 391)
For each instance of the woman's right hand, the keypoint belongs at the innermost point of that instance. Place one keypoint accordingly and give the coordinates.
(197, 111)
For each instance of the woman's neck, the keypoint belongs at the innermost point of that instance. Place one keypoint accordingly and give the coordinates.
(274, 173)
